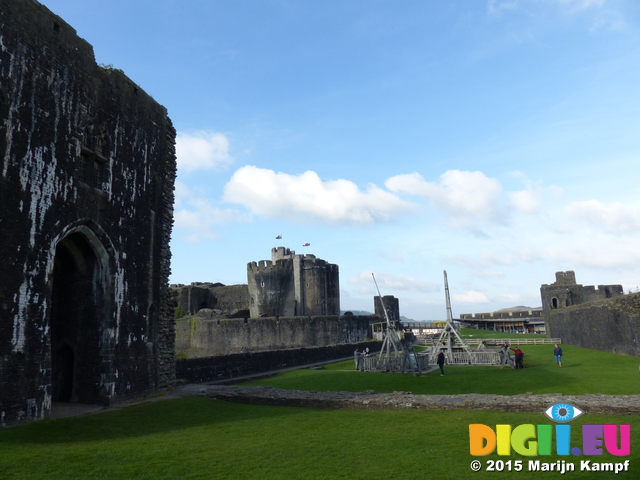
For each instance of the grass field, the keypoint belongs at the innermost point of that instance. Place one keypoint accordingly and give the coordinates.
(478, 333)
(583, 371)
(200, 438)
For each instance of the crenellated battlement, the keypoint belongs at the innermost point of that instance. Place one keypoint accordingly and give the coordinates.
(566, 278)
(565, 292)
(281, 253)
(293, 285)
(266, 265)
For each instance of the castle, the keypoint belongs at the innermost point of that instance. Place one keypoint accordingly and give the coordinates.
(87, 169)
(293, 285)
(601, 318)
(565, 292)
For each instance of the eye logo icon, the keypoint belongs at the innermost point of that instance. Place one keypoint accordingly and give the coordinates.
(563, 412)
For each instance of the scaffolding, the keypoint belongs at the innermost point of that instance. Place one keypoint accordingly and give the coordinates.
(396, 354)
(456, 350)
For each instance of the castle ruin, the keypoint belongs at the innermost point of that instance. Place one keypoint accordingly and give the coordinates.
(601, 318)
(291, 285)
(87, 168)
(565, 292)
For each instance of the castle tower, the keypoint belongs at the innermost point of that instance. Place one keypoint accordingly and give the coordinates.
(565, 292)
(293, 285)
(391, 304)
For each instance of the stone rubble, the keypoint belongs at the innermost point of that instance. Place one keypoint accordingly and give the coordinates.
(370, 400)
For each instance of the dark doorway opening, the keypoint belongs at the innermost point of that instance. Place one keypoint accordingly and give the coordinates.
(76, 319)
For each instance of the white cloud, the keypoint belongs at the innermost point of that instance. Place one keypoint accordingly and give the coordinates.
(599, 255)
(202, 151)
(613, 217)
(470, 298)
(307, 197)
(483, 260)
(388, 282)
(468, 197)
(526, 201)
(196, 216)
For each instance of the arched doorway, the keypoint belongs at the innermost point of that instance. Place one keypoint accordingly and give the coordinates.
(77, 319)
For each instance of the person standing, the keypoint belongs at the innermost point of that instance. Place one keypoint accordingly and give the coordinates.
(356, 358)
(440, 362)
(557, 352)
(519, 356)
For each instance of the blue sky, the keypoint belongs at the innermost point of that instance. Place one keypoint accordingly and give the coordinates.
(496, 140)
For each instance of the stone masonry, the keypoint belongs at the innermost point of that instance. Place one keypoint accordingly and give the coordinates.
(87, 168)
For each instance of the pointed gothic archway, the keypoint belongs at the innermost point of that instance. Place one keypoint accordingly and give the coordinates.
(78, 316)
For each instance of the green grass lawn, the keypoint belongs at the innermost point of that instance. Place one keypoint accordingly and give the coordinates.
(583, 371)
(201, 438)
(478, 333)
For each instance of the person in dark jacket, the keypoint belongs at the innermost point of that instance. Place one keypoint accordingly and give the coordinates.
(557, 352)
(440, 362)
(519, 357)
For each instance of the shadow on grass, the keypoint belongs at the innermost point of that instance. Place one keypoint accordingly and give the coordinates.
(149, 418)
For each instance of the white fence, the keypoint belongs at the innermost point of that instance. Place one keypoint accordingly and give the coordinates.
(394, 363)
(479, 357)
(497, 341)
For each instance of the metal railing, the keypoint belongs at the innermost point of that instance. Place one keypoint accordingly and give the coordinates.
(393, 363)
(498, 341)
(480, 357)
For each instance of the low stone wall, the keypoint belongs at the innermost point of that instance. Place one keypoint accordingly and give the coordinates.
(612, 326)
(370, 400)
(221, 367)
(205, 335)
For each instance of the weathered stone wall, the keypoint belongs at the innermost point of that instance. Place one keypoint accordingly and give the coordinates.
(87, 167)
(610, 326)
(293, 285)
(565, 292)
(199, 336)
(222, 367)
(228, 299)
(391, 305)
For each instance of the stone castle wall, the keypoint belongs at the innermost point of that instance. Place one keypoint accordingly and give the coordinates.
(600, 318)
(228, 367)
(199, 336)
(227, 299)
(565, 292)
(293, 285)
(87, 167)
(609, 326)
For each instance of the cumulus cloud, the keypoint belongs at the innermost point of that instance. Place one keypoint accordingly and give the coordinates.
(389, 281)
(471, 297)
(598, 255)
(202, 151)
(614, 218)
(307, 196)
(468, 197)
(196, 216)
(526, 201)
